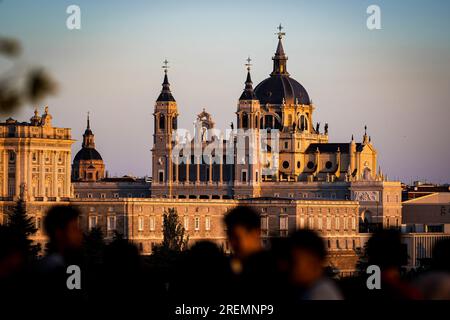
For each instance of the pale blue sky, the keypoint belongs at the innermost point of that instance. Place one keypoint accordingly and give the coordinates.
(395, 80)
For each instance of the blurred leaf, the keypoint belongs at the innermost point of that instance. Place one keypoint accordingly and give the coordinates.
(10, 47)
(39, 85)
(9, 100)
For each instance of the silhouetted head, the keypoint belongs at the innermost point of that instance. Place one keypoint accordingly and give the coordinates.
(386, 250)
(244, 231)
(308, 256)
(441, 255)
(61, 226)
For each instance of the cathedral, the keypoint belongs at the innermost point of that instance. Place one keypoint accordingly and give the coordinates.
(304, 181)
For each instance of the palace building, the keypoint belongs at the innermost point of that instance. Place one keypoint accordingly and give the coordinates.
(334, 188)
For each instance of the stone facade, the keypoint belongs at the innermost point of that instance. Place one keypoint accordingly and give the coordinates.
(333, 188)
(35, 159)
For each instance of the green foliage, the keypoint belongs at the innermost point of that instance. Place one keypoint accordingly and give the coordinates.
(20, 222)
(173, 232)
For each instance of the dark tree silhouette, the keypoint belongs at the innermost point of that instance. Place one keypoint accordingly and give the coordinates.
(94, 245)
(173, 232)
(20, 222)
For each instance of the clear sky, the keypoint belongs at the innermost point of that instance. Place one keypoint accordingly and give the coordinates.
(395, 80)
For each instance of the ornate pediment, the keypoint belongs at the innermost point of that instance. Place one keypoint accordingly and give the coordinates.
(366, 195)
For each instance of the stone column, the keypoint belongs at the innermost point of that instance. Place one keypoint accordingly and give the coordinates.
(54, 175)
(67, 175)
(210, 170)
(198, 170)
(221, 171)
(188, 159)
(41, 174)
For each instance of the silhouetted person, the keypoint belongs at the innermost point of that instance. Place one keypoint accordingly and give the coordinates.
(385, 249)
(13, 257)
(308, 256)
(63, 250)
(121, 280)
(202, 275)
(435, 284)
(249, 262)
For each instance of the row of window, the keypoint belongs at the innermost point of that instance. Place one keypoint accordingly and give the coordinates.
(186, 223)
(310, 165)
(309, 223)
(320, 210)
(312, 195)
(115, 195)
(110, 222)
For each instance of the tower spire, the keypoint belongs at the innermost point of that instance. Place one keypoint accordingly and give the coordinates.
(88, 136)
(280, 58)
(248, 93)
(166, 94)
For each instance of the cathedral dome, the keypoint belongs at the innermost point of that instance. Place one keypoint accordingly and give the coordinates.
(278, 87)
(87, 154)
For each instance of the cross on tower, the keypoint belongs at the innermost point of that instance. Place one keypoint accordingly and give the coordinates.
(280, 33)
(248, 64)
(166, 65)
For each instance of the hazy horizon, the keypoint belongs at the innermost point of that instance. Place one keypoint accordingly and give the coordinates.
(395, 80)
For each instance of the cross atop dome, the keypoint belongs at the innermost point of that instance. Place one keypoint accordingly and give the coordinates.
(280, 33)
(248, 64)
(166, 65)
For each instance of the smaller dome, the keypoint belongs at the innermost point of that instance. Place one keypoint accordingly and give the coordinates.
(87, 154)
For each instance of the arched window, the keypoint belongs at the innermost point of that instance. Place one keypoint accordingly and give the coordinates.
(174, 123)
(303, 123)
(245, 121)
(268, 121)
(162, 122)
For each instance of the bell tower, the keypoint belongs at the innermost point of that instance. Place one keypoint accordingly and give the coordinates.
(247, 142)
(165, 122)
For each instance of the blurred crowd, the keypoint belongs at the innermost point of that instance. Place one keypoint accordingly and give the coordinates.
(292, 270)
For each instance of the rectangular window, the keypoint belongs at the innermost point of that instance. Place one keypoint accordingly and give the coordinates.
(111, 223)
(92, 222)
(302, 222)
(310, 223)
(207, 223)
(345, 223)
(38, 223)
(197, 223)
(140, 223)
(283, 223)
(328, 223)
(336, 222)
(186, 222)
(264, 223)
(152, 223)
(244, 176)
(161, 176)
(319, 223)
(354, 223)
